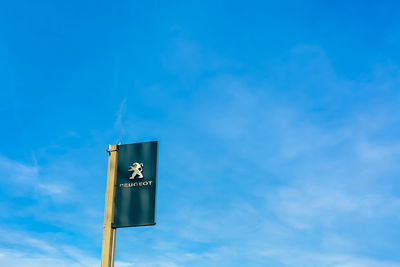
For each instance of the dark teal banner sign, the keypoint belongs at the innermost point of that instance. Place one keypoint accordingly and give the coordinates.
(135, 195)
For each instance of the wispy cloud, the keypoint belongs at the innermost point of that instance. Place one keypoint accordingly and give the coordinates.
(28, 178)
(119, 124)
(15, 172)
(53, 189)
(27, 249)
(299, 173)
(280, 169)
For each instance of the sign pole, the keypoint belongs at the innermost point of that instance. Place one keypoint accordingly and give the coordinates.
(108, 248)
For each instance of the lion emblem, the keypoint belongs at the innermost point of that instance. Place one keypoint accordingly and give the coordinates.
(136, 169)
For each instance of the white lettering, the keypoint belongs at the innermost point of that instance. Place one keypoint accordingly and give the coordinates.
(145, 183)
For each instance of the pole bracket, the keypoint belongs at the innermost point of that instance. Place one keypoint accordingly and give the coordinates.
(111, 150)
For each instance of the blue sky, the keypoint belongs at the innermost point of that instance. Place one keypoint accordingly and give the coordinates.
(277, 122)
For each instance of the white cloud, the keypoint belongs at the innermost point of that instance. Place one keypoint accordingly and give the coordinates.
(13, 258)
(369, 151)
(12, 171)
(28, 178)
(307, 206)
(303, 258)
(19, 248)
(291, 172)
(119, 124)
(317, 156)
(53, 189)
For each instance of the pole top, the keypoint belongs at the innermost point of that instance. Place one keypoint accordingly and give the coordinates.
(112, 148)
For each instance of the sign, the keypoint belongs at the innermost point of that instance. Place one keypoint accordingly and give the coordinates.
(135, 195)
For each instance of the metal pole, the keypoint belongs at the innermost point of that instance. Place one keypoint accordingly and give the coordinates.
(108, 248)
